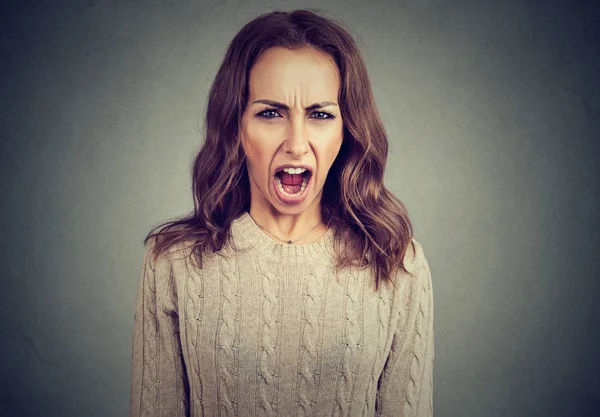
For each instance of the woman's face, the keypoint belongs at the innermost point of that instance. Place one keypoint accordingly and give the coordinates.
(298, 122)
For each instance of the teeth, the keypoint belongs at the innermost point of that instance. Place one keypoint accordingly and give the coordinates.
(294, 170)
(280, 187)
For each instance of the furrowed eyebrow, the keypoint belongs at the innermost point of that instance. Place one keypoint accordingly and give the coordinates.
(282, 106)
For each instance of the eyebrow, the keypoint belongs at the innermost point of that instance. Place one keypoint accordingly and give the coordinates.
(285, 107)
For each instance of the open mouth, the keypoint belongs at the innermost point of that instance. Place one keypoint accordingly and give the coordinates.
(292, 187)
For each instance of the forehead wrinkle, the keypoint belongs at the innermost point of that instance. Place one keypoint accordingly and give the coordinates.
(295, 83)
(299, 96)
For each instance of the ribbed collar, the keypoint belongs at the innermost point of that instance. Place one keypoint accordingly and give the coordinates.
(247, 235)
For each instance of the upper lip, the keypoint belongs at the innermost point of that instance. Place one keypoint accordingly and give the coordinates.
(280, 167)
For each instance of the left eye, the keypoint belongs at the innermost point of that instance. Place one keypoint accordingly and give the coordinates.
(327, 115)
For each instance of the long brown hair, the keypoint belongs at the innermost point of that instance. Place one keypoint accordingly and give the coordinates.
(369, 222)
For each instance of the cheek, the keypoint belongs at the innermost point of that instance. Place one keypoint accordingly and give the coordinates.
(331, 151)
(258, 154)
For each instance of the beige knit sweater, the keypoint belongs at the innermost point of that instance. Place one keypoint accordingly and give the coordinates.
(268, 330)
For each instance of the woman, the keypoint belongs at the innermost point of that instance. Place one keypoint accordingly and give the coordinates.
(295, 287)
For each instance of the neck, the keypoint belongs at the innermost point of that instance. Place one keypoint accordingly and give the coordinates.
(301, 228)
(247, 235)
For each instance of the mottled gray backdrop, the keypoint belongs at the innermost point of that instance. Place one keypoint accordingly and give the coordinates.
(493, 115)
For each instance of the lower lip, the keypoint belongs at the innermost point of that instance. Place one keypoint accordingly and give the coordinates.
(297, 199)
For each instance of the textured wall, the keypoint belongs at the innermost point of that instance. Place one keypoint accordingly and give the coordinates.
(493, 115)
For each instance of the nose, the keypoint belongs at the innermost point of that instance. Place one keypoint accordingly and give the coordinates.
(296, 142)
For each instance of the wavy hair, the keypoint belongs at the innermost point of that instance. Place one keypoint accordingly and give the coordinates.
(371, 225)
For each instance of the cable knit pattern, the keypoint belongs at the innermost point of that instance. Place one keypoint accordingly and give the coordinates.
(150, 323)
(177, 357)
(310, 343)
(226, 350)
(420, 345)
(382, 324)
(353, 345)
(271, 312)
(194, 309)
(402, 329)
(411, 354)
(269, 329)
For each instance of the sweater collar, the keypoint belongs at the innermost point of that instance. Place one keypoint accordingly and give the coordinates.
(248, 235)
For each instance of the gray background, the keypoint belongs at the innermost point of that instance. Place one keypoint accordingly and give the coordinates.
(493, 115)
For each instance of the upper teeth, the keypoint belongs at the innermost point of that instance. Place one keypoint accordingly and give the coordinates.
(294, 170)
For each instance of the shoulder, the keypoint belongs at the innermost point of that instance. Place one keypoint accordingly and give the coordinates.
(413, 291)
(418, 281)
(414, 258)
(176, 251)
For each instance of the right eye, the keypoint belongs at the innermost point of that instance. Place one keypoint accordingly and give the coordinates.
(265, 113)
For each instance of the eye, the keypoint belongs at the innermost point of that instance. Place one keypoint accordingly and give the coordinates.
(266, 111)
(324, 113)
(268, 114)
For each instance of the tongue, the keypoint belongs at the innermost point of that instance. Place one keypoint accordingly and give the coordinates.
(291, 183)
(290, 179)
(291, 189)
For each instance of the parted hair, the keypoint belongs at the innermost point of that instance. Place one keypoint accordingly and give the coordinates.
(371, 225)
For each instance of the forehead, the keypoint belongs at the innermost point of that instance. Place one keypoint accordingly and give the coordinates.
(281, 72)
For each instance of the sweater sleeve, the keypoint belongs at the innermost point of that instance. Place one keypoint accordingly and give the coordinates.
(406, 384)
(159, 385)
